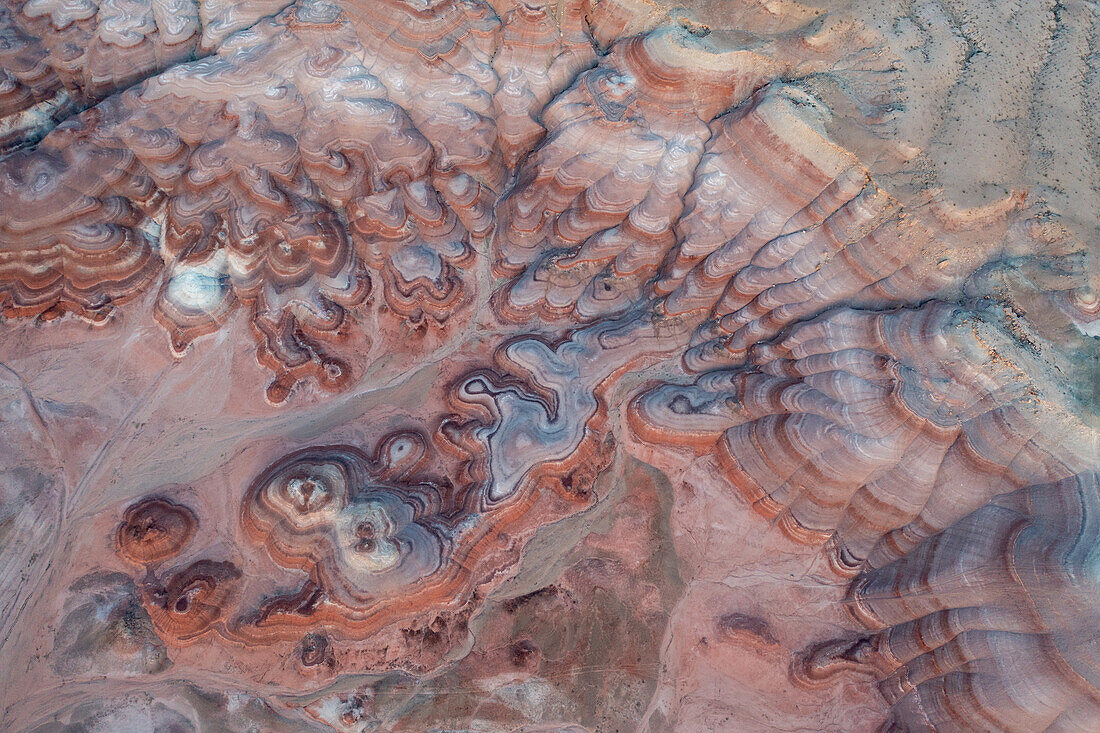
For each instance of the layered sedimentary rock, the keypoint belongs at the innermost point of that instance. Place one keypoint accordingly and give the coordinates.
(536, 365)
(153, 530)
(203, 174)
(876, 429)
(588, 225)
(987, 624)
(361, 528)
(59, 57)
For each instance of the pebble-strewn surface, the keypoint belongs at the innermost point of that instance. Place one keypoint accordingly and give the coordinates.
(549, 365)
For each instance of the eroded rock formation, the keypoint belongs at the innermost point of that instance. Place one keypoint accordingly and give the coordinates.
(153, 530)
(874, 430)
(539, 365)
(987, 624)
